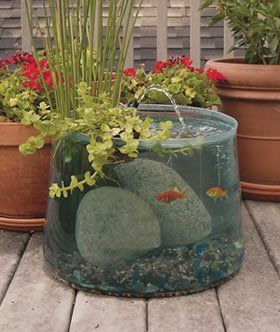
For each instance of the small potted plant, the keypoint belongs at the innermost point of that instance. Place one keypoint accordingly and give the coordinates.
(21, 91)
(251, 92)
(187, 85)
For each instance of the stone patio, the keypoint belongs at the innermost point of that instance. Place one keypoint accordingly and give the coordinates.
(32, 301)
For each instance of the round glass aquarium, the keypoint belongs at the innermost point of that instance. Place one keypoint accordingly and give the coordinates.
(166, 223)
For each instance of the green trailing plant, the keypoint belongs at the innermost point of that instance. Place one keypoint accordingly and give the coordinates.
(112, 131)
(255, 25)
(80, 46)
(187, 85)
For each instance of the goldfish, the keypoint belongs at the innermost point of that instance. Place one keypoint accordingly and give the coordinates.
(217, 193)
(171, 196)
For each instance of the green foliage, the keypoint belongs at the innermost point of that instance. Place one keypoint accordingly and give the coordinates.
(256, 27)
(187, 87)
(15, 100)
(112, 131)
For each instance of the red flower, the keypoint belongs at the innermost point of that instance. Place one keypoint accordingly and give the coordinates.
(159, 66)
(130, 72)
(173, 62)
(214, 75)
(33, 85)
(48, 78)
(17, 59)
(199, 70)
(20, 58)
(27, 57)
(31, 71)
(187, 62)
(168, 63)
(44, 64)
(3, 63)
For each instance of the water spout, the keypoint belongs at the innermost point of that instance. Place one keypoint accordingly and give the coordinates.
(159, 88)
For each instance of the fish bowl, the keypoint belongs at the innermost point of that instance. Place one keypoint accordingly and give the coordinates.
(166, 223)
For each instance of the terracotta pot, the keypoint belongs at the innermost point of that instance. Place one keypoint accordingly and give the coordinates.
(251, 95)
(23, 180)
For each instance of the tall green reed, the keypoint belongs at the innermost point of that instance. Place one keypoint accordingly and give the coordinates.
(83, 46)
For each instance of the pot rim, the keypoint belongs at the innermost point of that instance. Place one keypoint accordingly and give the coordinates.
(249, 77)
(13, 124)
(236, 62)
(16, 133)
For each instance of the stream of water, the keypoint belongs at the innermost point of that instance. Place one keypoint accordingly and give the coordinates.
(159, 88)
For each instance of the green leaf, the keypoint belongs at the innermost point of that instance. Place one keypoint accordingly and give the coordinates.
(80, 186)
(65, 193)
(274, 44)
(73, 183)
(206, 4)
(90, 181)
(217, 18)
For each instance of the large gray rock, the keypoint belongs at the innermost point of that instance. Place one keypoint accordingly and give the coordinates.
(114, 224)
(183, 221)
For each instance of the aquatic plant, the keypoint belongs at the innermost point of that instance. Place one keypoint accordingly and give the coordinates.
(103, 124)
(188, 85)
(78, 49)
(255, 25)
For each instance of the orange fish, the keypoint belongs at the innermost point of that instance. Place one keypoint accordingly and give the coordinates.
(171, 196)
(217, 193)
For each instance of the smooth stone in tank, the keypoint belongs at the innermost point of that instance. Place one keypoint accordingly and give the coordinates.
(182, 221)
(115, 224)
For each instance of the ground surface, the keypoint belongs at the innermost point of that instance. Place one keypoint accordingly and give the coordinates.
(32, 301)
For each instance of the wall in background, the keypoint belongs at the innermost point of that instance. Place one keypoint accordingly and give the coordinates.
(145, 37)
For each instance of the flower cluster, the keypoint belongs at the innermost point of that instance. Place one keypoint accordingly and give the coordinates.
(16, 59)
(21, 83)
(130, 72)
(174, 62)
(34, 72)
(214, 75)
(186, 62)
(177, 75)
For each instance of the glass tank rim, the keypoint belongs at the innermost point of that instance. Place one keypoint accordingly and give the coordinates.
(181, 142)
(205, 113)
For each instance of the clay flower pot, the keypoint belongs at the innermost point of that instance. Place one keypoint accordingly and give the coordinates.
(23, 180)
(251, 94)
